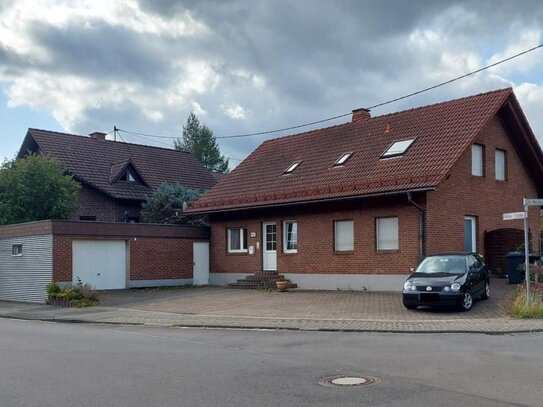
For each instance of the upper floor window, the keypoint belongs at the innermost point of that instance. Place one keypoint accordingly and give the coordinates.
(500, 165)
(398, 148)
(478, 160)
(290, 236)
(128, 176)
(237, 240)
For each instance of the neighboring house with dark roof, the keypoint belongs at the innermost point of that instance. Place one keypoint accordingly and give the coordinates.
(358, 204)
(116, 177)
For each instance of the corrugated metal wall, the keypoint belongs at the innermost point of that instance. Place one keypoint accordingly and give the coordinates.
(24, 278)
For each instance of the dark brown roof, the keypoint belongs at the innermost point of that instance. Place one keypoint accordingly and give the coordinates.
(100, 163)
(442, 133)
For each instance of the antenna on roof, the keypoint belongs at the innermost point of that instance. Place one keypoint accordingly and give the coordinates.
(115, 130)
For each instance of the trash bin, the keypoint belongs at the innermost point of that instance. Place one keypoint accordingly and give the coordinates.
(513, 260)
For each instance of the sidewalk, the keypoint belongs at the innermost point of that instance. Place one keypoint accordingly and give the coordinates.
(215, 307)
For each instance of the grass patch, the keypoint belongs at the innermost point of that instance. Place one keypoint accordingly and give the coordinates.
(534, 309)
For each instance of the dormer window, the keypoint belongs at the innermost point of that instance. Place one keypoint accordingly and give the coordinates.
(292, 167)
(128, 176)
(398, 148)
(343, 159)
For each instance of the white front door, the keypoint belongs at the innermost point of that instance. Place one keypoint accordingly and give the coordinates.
(200, 256)
(269, 246)
(100, 263)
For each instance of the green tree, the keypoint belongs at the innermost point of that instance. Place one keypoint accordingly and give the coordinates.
(166, 205)
(200, 141)
(35, 188)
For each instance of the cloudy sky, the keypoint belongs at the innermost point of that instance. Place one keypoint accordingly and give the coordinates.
(249, 66)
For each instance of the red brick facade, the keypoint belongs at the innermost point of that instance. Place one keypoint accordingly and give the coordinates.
(160, 259)
(461, 194)
(106, 209)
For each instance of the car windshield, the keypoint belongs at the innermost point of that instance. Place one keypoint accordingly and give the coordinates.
(443, 265)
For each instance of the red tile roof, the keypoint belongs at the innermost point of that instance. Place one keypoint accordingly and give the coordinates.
(99, 163)
(443, 132)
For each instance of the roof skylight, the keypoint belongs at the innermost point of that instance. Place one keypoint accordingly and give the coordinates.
(292, 167)
(343, 159)
(398, 148)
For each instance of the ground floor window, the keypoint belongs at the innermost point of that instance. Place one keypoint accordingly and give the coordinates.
(387, 236)
(237, 240)
(17, 250)
(470, 234)
(290, 236)
(343, 235)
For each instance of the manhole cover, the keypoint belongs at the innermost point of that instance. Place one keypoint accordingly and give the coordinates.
(348, 381)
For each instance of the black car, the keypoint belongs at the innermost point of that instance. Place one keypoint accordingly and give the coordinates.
(447, 279)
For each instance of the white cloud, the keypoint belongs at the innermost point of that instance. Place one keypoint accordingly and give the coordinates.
(234, 111)
(526, 39)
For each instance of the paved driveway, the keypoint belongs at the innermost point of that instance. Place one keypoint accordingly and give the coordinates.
(321, 304)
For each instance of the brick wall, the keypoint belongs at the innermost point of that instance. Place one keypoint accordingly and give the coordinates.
(157, 259)
(316, 252)
(483, 197)
(105, 208)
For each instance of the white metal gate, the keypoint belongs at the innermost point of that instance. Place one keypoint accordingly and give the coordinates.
(200, 272)
(101, 263)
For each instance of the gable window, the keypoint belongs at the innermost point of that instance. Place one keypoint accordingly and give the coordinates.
(478, 160)
(343, 235)
(17, 250)
(500, 165)
(343, 159)
(128, 176)
(292, 167)
(398, 148)
(237, 240)
(290, 236)
(387, 233)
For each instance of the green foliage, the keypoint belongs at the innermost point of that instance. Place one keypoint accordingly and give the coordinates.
(166, 204)
(534, 309)
(35, 188)
(200, 141)
(53, 288)
(82, 295)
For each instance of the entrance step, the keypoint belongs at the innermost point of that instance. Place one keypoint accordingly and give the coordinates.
(261, 280)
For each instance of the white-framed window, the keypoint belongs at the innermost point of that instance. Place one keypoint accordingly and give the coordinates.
(343, 235)
(398, 148)
(478, 160)
(17, 250)
(343, 159)
(387, 236)
(290, 236)
(237, 240)
(500, 165)
(470, 233)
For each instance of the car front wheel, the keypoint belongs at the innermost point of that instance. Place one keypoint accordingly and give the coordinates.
(467, 302)
(486, 294)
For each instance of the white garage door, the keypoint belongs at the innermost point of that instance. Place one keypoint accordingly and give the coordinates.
(26, 269)
(101, 263)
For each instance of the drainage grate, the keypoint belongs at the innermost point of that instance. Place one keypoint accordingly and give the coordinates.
(348, 381)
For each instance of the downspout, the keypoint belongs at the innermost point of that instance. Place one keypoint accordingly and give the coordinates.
(422, 227)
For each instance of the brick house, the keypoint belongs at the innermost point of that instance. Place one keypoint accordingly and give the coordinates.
(355, 206)
(116, 177)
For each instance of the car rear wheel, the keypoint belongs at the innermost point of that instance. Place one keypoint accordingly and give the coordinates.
(467, 302)
(486, 293)
(409, 306)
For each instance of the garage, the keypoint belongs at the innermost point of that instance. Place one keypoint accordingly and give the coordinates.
(100, 263)
(26, 268)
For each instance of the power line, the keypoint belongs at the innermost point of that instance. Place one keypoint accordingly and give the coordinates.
(370, 107)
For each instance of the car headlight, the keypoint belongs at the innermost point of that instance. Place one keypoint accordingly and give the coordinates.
(455, 286)
(447, 288)
(407, 286)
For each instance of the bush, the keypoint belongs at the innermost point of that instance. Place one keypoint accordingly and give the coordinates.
(534, 309)
(83, 295)
(53, 288)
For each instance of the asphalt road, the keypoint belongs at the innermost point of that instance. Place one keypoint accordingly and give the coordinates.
(49, 364)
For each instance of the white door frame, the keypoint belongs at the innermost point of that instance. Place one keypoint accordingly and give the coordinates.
(266, 253)
(200, 263)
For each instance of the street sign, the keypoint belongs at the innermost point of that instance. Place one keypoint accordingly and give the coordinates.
(533, 202)
(513, 215)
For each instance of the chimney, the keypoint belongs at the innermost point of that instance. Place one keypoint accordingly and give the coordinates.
(98, 135)
(361, 114)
